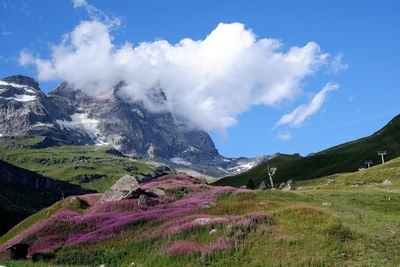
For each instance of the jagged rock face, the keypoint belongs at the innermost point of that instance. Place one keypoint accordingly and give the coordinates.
(69, 115)
(22, 107)
(26, 111)
(131, 128)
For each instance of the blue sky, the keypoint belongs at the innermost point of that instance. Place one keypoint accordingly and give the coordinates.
(366, 33)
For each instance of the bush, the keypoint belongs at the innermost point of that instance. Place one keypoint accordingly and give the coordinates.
(340, 232)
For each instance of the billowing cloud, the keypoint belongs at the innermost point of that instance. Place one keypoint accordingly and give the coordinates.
(208, 82)
(302, 112)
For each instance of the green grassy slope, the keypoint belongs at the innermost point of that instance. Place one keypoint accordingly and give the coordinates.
(92, 167)
(342, 158)
(353, 221)
(28, 195)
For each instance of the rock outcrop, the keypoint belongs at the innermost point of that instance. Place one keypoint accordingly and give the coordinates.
(122, 189)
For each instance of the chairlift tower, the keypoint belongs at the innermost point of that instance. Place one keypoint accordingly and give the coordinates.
(368, 163)
(271, 173)
(382, 154)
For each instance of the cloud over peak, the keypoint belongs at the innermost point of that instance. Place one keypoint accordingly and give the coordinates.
(208, 82)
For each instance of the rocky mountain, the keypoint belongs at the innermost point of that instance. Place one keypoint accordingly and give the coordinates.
(69, 115)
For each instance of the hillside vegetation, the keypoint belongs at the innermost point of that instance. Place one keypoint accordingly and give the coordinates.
(347, 157)
(23, 193)
(92, 167)
(350, 220)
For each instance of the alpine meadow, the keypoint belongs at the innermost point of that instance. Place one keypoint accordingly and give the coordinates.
(199, 133)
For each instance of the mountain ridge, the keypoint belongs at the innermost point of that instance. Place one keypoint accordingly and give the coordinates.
(346, 157)
(68, 115)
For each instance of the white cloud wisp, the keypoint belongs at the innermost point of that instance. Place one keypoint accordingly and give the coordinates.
(302, 112)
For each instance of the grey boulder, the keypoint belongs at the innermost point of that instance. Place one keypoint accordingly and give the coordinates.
(124, 188)
(263, 186)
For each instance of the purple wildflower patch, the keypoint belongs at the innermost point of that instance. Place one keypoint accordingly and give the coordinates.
(101, 221)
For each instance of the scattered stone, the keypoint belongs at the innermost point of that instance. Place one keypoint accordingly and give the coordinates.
(205, 220)
(157, 191)
(326, 204)
(208, 205)
(213, 231)
(202, 221)
(122, 189)
(287, 188)
(386, 182)
(243, 187)
(300, 188)
(330, 180)
(282, 185)
(263, 186)
(290, 181)
(147, 201)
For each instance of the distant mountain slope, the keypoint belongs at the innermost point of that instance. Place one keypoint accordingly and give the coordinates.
(23, 193)
(68, 116)
(92, 167)
(347, 157)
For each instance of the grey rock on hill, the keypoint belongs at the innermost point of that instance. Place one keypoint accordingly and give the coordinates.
(122, 189)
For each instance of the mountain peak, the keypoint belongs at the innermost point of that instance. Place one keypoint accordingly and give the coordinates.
(22, 80)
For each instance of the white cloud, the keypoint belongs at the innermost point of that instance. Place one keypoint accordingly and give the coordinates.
(302, 112)
(284, 136)
(97, 14)
(208, 82)
(337, 65)
(79, 3)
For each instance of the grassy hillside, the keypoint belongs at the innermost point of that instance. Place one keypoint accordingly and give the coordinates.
(23, 193)
(92, 167)
(347, 157)
(352, 221)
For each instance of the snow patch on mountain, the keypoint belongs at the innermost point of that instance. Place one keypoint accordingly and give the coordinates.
(15, 85)
(22, 98)
(246, 164)
(190, 149)
(41, 124)
(180, 161)
(89, 125)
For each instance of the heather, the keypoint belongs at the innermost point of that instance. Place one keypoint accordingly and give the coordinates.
(195, 224)
(86, 220)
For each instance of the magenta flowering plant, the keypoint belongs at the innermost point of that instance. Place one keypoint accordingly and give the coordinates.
(101, 221)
